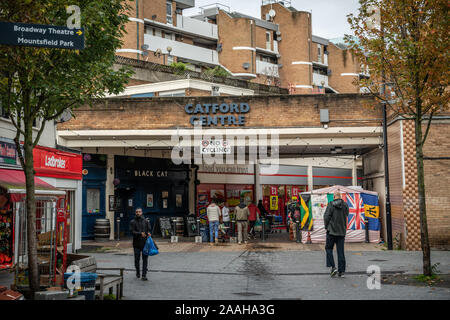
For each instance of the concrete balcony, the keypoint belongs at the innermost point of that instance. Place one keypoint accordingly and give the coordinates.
(319, 78)
(185, 4)
(197, 27)
(182, 50)
(266, 68)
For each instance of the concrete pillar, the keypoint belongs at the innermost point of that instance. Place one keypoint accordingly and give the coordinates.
(109, 191)
(258, 191)
(354, 174)
(310, 178)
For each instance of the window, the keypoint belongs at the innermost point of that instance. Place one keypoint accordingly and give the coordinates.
(168, 35)
(169, 59)
(268, 46)
(3, 112)
(319, 54)
(93, 200)
(169, 12)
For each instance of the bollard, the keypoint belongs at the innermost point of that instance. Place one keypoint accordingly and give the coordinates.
(118, 229)
(297, 230)
(263, 221)
(198, 226)
(233, 227)
(366, 221)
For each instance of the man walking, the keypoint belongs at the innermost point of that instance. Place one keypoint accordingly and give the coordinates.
(253, 216)
(214, 214)
(335, 219)
(140, 228)
(242, 214)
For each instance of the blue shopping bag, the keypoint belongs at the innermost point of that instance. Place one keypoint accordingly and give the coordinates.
(150, 248)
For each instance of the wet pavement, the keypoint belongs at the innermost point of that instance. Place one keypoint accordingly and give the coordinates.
(267, 271)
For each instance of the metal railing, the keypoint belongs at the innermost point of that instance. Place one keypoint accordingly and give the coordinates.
(189, 74)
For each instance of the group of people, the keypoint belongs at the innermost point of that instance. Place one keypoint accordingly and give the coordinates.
(335, 219)
(245, 215)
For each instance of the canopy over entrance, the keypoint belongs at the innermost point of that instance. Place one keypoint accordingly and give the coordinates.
(14, 183)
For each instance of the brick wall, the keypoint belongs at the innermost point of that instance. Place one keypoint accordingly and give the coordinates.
(295, 28)
(340, 61)
(266, 111)
(437, 183)
(236, 32)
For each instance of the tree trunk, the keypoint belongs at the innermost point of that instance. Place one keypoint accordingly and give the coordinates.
(422, 200)
(33, 274)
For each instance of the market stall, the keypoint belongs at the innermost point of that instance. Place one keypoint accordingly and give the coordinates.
(51, 228)
(362, 204)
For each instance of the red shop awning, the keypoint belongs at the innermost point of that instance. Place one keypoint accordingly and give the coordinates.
(14, 182)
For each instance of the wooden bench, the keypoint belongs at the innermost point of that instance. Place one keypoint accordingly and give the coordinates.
(109, 281)
(105, 281)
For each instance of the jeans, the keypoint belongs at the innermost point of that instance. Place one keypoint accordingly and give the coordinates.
(252, 227)
(137, 257)
(329, 245)
(213, 227)
(227, 224)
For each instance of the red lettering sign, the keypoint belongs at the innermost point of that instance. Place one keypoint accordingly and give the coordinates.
(54, 163)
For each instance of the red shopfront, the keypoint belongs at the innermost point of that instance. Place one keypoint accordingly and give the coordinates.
(63, 170)
(231, 193)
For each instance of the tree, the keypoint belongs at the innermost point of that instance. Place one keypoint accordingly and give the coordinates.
(41, 83)
(406, 50)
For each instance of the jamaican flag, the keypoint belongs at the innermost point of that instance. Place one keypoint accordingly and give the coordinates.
(306, 212)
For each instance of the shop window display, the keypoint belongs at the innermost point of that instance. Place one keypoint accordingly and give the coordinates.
(6, 225)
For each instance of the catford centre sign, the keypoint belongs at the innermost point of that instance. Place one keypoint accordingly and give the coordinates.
(225, 114)
(39, 35)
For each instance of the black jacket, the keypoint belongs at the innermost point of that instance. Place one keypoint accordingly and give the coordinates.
(137, 226)
(335, 217)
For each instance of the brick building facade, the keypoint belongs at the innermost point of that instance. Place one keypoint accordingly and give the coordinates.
(277, 49)
(146, 125)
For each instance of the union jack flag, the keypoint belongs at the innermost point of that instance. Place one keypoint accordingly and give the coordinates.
(355, 211)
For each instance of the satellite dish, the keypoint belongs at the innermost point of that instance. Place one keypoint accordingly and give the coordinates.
(144, 47)
(145, 53)
(272, 13)
(65, 116)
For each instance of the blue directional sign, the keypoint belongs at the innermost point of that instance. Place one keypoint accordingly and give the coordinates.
(40, 35)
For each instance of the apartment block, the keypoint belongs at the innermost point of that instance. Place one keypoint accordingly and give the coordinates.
(277, 49)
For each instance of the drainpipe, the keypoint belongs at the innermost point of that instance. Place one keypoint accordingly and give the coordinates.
(137, 29)
(196, 167)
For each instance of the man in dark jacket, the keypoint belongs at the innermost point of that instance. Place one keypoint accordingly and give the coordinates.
(335, 219)
(140, 228)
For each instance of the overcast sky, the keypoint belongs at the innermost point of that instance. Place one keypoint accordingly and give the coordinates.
(328, 16)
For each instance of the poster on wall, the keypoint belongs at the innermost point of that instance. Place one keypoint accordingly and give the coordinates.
(273, 202)
(319, 204)
(295, 193)
(202, 199)
(218, 195)
(247, 196)
(165, 194)
(150, 200)
(233, 197)
(202, 215)
(179, 200)
(165, 204)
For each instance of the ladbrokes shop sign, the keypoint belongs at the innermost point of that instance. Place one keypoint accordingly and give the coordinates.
(225, 114)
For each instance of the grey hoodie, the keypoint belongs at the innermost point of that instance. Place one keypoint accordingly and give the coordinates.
(335, 217)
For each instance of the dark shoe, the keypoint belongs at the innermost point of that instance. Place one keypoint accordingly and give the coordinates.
(138, 275)
(333, 272)
(144, 278)
(341, 275)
